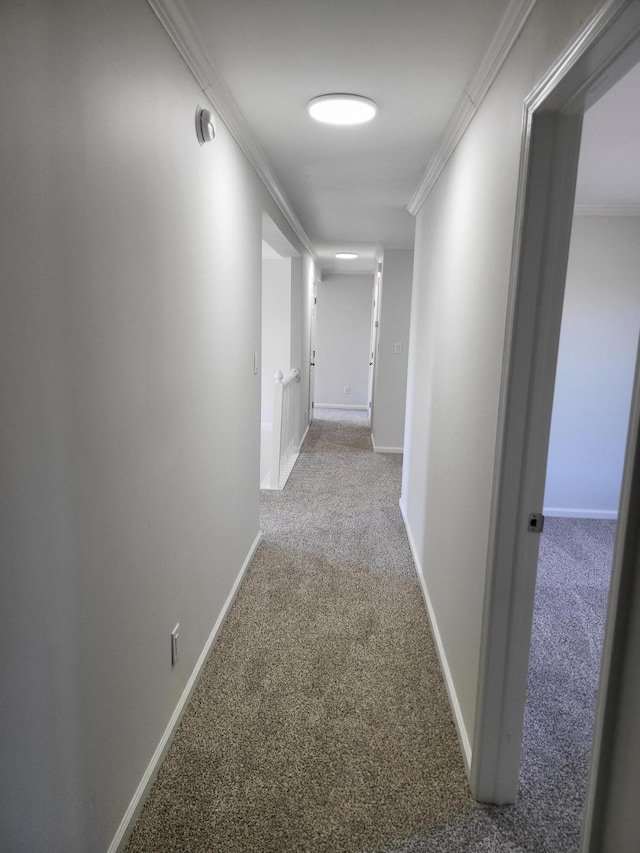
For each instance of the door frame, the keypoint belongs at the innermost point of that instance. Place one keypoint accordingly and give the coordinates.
(604, 50)
(373, 341)
(312, 347)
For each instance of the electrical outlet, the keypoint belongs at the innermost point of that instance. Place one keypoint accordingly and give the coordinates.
(347, 390)
(174, 644)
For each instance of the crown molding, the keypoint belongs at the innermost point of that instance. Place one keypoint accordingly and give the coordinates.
(398, 247)
(606, 210)
(341, 273)
(508, 31)
(182, 30)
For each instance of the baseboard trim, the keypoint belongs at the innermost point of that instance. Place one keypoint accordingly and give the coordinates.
(378, 449)
(463, 737)
(573, 512)
(135, 806)
(339, 406)
(303, 439)
(265, 484)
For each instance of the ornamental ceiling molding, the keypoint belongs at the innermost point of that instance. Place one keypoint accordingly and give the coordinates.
(508, 31)
(182, 30)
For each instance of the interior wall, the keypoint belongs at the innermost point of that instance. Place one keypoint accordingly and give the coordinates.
(387, 422)
(596, 359)
(276, 346)
(276, 328)
(342, 340)
(464, 243)
(129, 435)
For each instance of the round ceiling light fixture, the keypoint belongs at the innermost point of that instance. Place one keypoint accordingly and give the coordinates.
(341, 108)
(346, 256)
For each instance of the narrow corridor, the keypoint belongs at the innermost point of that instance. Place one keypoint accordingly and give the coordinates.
(321, 721)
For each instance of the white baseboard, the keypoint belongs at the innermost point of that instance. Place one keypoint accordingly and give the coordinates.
(463, 737)
(378, 449)
(302, 440)
(566, 512)
(265, 484)
(135, 806)
(340, 406)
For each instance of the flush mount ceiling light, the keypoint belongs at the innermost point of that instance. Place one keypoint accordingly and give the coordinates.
(346, 256)
(205, 126)
(340, 108)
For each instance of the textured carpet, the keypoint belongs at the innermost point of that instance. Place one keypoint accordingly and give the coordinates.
(321, 721)
(570, 607)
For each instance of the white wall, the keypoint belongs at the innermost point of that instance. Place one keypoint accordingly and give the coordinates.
(464, 242)
(342, 340)
(276, 346)
(387, 422)
(303, 274)
(129, 430)
(596, 361)
(276, 328)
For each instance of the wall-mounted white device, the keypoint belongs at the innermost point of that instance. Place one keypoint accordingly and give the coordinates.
(174, 644)
(205, 125)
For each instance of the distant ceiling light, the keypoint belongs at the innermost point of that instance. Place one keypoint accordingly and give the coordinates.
(205, 126)
(346, 256)
(342, 109)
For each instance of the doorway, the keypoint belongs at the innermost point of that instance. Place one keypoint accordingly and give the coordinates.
(373, 352)
(601, 56)
(589, 422)
(280, 322)
(312, 350)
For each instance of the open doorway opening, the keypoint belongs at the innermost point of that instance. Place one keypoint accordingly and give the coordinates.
(601, 55)
(589, 424)
(276, 347)
(373, 349)
(343, 339)
(592, 400)
(313, 311)
(281, 319)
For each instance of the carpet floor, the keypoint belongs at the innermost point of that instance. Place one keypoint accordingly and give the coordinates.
(321, 721)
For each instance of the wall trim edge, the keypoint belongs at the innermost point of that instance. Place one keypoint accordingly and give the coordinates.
(181, 29)
(508, 31)
(302, 440)
(577, 512)
(135, 806)
(463, 737)
(378, 449)
(606, 210)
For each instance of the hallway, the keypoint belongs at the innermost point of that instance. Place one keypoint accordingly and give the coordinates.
(321, 721)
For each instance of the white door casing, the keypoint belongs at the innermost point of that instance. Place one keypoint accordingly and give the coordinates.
(312, 347)
(600, 55)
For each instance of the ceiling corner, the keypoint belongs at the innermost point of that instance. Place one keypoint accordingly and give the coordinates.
(179, 25)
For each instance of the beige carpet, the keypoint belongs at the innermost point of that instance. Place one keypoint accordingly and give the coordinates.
(321, 721)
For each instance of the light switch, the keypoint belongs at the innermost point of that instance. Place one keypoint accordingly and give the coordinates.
(398, 348)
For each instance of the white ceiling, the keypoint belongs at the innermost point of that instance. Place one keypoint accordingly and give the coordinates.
(349, 186)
